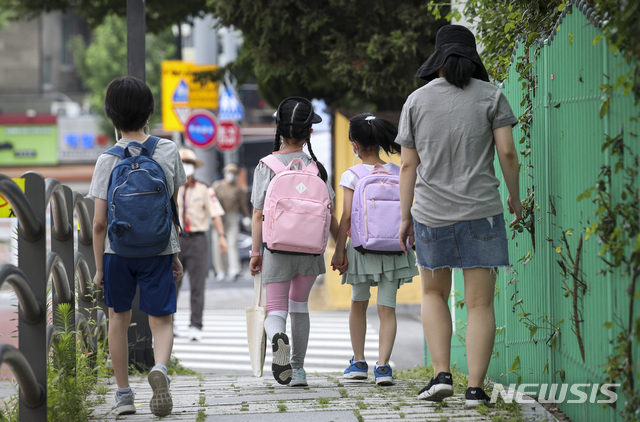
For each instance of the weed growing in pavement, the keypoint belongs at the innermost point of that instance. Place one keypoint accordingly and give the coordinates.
(361, 405)
(401, 415)
(282, 408)
(202, 401)
(438, 408)
(201, 416)
(359, 417)
(323, 400)
(343, 393)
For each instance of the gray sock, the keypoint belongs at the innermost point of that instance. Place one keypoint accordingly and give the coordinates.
(300, 334)
(274, 324)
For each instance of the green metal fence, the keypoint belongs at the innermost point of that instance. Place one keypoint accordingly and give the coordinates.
(565, 159)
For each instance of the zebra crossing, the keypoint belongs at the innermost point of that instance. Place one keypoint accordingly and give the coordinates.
(223, 348)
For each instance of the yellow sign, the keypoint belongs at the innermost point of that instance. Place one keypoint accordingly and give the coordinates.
(182, 92)
(5, 207)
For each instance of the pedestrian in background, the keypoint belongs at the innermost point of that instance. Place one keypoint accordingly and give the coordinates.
(233, 199)
(197, 208)
(288, 277)
(388, 271)
(129, 104)
(449, 131)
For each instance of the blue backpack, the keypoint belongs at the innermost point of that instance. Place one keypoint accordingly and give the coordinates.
(140, 207)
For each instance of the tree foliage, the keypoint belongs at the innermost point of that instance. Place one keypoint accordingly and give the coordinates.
(161, 14)
(345, 51)
(106, 58)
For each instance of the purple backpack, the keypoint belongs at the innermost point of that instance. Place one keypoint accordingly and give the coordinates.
(375, 213)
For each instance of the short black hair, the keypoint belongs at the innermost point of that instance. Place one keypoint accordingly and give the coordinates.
(371, 132)
(457, 70)
(128, 103)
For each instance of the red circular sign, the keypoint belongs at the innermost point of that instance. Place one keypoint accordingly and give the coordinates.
(201, 129)
(229, 136)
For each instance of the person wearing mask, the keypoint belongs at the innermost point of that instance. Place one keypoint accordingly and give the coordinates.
(196, 207)
(233, 199)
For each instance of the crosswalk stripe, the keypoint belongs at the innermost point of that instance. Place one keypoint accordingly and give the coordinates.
(224, 343)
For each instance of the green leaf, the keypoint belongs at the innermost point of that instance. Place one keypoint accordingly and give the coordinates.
(604, 107)
(532, 332)
(561, 7)
(597, 39)
(516, 364)
(609, 324)
(508, 27)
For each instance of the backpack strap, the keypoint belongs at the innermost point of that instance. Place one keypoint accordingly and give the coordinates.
(149, 145)
(274, 164)
(359, 170)
(395, 169)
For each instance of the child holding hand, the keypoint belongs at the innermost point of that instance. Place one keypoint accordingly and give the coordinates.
(388, 270)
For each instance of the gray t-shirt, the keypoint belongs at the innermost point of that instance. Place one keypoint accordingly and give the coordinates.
(166, 154)
(278, 267)
(452, 130)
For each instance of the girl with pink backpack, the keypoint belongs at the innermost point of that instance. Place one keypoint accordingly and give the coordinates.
(372, 256)
(292, 215)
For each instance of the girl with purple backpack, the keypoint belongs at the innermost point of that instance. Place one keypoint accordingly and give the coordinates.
(288, 276)
(365, 265)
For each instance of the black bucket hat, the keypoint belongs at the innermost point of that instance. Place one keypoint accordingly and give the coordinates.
(309, 120)
(457, 40)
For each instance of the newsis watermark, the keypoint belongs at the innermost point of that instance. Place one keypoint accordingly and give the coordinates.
(556, 393)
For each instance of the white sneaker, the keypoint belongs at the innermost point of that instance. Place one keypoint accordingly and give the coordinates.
(176, 330)
(220, 277)
(195, 334)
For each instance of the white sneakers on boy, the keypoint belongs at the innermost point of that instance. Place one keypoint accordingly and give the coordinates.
(195, 334)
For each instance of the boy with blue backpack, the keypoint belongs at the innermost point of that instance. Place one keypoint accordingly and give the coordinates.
(135, 240)
(373, 255)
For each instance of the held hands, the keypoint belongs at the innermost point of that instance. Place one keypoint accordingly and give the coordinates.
(339, 262)
(98, 279)
(177, 268)
(255, 265)
(406, 233)
(515, 207)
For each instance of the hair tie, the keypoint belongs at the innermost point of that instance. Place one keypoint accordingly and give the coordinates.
(369, 118)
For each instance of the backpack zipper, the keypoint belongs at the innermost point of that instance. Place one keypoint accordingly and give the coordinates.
(139, 193)
(125, 182)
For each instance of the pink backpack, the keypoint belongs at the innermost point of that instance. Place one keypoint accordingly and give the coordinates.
(375, 211)
(297, 213)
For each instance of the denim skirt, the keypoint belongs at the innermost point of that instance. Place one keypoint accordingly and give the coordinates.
(466, 244)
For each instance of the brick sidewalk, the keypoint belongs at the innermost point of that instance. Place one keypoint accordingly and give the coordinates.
(235, 398)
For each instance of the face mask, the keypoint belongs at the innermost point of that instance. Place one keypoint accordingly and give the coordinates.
(230, 177)
(189, 169)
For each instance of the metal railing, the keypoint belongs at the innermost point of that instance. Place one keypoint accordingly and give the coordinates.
(63, 264)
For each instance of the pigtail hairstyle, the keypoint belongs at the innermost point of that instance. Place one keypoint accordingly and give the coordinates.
(371, 132)
(457, 70)
(292, 115)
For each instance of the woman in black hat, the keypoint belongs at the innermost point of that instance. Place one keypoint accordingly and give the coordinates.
(449, 131)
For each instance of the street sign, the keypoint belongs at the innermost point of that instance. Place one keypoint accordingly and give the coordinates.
(230, 136)
(230, 105)
(182, 92)
(201, 129)
(5, 207)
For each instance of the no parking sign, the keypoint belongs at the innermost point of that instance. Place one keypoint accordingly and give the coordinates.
(201, 129)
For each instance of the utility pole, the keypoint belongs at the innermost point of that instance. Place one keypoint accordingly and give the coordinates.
(140, 333)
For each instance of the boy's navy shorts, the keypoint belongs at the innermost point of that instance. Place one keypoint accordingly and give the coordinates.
(154, 275)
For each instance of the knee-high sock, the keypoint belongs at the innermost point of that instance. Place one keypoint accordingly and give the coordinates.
(299, 332)
(275, 323)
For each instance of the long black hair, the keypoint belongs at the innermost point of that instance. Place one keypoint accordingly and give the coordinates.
(292, 115)
(372, 132)
(457, 70)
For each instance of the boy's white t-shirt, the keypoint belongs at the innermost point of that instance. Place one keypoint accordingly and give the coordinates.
(349, 179)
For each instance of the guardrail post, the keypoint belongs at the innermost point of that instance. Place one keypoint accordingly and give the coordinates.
(32, 261)
(64, 247)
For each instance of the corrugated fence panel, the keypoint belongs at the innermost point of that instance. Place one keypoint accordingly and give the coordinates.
(566, 137)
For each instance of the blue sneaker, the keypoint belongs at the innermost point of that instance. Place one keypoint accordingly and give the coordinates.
(356, 370)
(384, 375)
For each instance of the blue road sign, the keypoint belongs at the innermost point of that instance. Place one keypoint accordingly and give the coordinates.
(181, 94)
(201, 129)
(229, 105)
